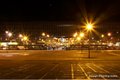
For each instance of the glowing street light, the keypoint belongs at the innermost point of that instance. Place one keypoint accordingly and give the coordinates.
(89, 27)
(102, 35)
(82, 34)
(48, 35)
(6, 32)
(75, 34)
(25, 38)
(109, 34)
(20, 35)
(43, 34)
(9, 34)
(78, 38)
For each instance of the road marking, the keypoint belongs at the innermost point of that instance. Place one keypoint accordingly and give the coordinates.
(114, 54)
(101, 68)
(49, 71)
(112, 68)
(91, 68)
(72, 71)
(95, 70)
(84, 72)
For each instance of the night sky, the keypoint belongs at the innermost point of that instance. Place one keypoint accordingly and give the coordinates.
(73, 11)
(58, 10)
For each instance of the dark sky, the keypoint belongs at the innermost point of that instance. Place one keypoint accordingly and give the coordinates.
(58, 10)
(101, 11)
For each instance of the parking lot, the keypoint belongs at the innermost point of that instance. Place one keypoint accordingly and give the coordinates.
(74, 64)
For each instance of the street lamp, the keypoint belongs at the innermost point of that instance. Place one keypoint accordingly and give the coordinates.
(82, 34)
(9, 34)
(25, 38)
(75, 34)
(20, 35)
(6, 32)
(48, 35)
(78, 38)
(89, 27)
(109, 34)
(43, 34)
(102, 35)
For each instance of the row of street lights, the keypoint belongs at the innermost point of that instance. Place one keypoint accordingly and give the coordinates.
(109, 34)
(47, 35)
(22, 37)
(9, 34)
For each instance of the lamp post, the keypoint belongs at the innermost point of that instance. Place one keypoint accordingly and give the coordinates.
(20, 38)
(82, 36)
(9, 35)
(25, 39)
(109, 36)
(75, 34)
(89, 27)
(102, 36)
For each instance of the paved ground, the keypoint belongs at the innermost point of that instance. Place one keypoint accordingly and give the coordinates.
(59, 65)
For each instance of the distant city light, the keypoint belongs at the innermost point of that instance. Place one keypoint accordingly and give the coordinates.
(102, 35)
(20, 35)
(111, 37)
(25, 38)
(110, 44)
(43, 34)
(75, 34)
(9, 34)
(6, 32)
(78, 38)
(48, 35)
(63, 40)
(109, 34)
(82, 34)
(4, 44)
(92, 38)
(12, 43)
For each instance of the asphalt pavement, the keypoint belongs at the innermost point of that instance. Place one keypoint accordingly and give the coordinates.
(73, 64)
